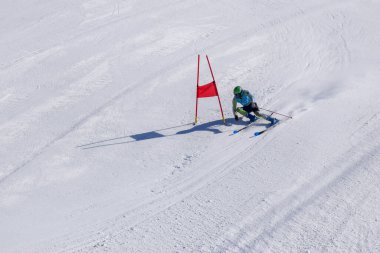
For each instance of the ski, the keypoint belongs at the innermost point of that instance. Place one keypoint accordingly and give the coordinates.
(243, 128)
(267, 129)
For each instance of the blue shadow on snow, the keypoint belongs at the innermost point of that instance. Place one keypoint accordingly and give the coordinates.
(208, 127)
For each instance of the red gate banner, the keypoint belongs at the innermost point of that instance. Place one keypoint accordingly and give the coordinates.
(207, 90)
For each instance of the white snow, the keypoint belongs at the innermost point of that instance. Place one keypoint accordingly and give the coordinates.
(98, 153)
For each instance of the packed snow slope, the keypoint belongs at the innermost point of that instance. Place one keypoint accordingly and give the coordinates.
(98, 153)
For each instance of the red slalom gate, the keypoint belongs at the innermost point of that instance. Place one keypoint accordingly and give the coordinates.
(207, 90)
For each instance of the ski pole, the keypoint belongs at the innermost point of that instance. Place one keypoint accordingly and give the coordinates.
(276, 113)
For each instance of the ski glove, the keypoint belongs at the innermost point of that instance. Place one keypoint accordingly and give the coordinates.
(236, 118)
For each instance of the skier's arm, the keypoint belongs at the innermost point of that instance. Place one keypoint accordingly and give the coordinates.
(234, 106)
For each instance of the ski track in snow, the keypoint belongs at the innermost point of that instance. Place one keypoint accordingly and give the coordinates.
(311, 204)
(78, 107)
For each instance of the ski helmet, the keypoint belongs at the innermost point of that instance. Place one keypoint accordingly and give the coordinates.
(237, 90)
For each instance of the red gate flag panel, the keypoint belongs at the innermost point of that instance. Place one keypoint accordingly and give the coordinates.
(207, 90)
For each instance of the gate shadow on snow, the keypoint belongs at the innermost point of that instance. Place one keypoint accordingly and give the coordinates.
(155, 134)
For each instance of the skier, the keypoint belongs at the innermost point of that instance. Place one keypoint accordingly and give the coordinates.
(244, 98)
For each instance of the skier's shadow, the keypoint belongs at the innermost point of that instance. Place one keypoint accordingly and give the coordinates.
(208, 127)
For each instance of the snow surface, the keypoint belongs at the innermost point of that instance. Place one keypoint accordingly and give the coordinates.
(98, 153)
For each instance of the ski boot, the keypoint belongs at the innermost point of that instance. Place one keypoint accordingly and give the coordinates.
(251, 118)
(272, 120)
